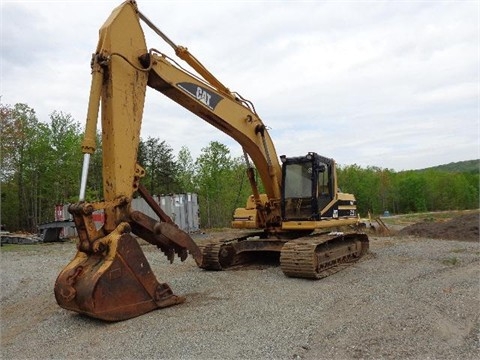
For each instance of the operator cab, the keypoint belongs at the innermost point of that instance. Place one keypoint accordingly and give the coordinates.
(307, 186)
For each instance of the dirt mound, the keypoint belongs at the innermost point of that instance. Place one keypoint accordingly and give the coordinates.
(462, 228)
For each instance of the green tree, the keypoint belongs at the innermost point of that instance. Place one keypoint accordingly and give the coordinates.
(385, 191)
(446, 191)
(359, 182)
(473, 180)
(66, 157)
(159, 163)
(240, 184)
(219, 179)
(41, 166)
(412, 192)
(186, 170)
(19, 126)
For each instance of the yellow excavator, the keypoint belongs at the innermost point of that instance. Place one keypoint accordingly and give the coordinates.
(109, 277)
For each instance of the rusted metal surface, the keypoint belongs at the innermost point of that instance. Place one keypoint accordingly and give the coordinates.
(110, 278)
(166, 236)
(114, 283)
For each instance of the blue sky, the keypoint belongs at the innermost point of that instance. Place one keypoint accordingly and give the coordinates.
(393, 84)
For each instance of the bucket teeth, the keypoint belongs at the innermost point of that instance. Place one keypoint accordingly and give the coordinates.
(167, 237)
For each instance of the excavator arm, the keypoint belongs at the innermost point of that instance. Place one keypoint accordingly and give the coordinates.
(109, 277)
(125, 65)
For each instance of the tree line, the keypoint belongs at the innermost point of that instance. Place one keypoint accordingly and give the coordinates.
(378, 190)
(41, 165)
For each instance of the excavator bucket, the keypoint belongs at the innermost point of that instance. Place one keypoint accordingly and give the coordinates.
(113, 285)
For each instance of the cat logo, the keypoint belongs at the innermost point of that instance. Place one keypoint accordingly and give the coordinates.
(201, 94)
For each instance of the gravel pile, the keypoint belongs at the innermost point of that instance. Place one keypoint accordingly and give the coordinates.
(411, 298)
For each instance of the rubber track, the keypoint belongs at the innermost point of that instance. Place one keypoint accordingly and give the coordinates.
(299, 258)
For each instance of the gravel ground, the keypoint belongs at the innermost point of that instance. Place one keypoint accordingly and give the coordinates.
(412, 298)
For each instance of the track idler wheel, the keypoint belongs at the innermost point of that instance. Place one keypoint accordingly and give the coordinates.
(114, 284)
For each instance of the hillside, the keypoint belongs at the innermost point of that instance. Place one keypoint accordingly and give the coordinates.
(468, 166)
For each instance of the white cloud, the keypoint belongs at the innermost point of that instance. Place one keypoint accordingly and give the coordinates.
(390, 84)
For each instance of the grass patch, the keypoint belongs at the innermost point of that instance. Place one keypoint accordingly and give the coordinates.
(451, 261)
(439, 216)
(458, 251)
(18, 247)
